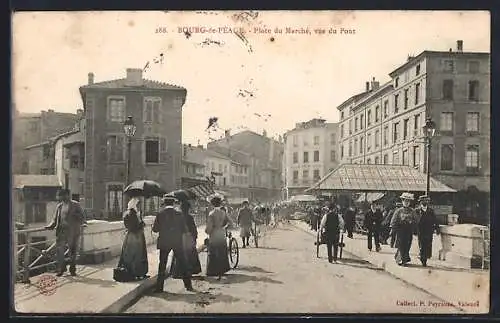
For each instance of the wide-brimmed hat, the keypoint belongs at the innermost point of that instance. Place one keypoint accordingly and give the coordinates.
(407, 196)
(424, 198)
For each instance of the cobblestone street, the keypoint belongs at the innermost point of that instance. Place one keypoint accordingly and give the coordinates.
(284, 276)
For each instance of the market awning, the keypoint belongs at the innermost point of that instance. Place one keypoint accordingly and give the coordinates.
(370, 177)
(370, 197)
(303, 198)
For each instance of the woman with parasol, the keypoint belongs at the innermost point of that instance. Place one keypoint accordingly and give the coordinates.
(133, 261)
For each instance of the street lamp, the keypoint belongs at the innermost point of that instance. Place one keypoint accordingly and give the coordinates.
(429, 131)
(129, 128)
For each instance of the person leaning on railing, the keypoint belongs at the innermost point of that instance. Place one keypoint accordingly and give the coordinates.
(68, 220)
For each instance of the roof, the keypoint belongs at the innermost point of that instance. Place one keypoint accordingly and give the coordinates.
(21, 181)
(378, 178)
(122, 83)
(375, 93)
(216, 154)
(353, 98)
(436, 53)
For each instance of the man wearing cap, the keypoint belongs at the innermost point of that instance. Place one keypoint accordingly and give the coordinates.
(331, 224)
(170, 225)
(426, 225)
(403, 223)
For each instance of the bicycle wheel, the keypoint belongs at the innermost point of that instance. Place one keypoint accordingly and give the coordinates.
(234, 253)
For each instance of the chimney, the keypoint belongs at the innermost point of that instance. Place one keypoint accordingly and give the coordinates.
(79, 113)
(460, 46)
(227, 133)
(91, 78)
(50, 111)
(264, 133)
(375, 84)
(367, 86)
(134, 77)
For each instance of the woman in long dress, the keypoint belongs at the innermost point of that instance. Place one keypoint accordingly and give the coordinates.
(218, 258)
(134, 256)
(191, 254)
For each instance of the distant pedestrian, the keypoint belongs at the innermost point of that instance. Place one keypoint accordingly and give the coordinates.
(372, 223)
(426, 225)
(67, 222)
(170, 225)
(330, 227)
(350, 220)
(245, 221)
(392, 233)
(403, 224)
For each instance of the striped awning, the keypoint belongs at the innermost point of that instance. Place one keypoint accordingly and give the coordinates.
(202, 190)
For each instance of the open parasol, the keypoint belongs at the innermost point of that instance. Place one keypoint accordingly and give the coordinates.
(145, 188)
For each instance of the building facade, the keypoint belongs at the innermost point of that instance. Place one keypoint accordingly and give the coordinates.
(453, 89)
(193, 166)
(155, 154)
(311, 151)
(31, 129)
(263, 158)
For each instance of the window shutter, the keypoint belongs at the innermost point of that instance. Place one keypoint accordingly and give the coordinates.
(163, 150)
(144, 111)
(157, 111)
(109, 149)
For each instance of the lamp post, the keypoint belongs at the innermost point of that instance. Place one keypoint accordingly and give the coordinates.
(129, 128)
(429, 131)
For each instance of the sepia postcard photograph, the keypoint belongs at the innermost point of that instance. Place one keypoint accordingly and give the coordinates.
(194, 162)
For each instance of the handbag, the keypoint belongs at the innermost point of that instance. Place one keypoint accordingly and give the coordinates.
(122, 275)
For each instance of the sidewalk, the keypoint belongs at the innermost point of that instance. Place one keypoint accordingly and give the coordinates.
(93, 290)
(450, 284)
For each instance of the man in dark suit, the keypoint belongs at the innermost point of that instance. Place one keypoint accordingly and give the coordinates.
(427, 224)
(372, 223)
(67, 222)
(330, 226)
(170, 225)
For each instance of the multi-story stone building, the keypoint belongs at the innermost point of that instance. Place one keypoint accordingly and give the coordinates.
(261, 156)
(310, 153)
(34, 130)
(193, 166)
(452, 88)
(156, 149)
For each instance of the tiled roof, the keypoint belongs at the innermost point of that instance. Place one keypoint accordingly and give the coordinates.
(378, 178)
(20, 181)
(122, 83)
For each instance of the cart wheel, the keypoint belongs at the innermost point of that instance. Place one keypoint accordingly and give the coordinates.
(317, 246)
(234, 253)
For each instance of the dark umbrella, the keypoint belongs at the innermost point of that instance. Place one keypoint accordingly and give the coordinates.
(144, 188)
(183, 195)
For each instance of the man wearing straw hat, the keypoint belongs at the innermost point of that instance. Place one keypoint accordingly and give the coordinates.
(403, 224)
(426, 226)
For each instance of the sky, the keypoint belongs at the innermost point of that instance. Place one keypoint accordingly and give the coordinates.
(292, 77)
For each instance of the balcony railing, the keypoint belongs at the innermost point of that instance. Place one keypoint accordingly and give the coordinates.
(32, 258)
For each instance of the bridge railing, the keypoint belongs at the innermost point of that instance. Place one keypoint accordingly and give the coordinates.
(31, 257)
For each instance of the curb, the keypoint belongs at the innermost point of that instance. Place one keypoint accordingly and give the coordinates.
(126, 300)
(383, 268)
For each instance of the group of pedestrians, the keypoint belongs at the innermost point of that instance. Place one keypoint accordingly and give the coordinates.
(400, 224)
